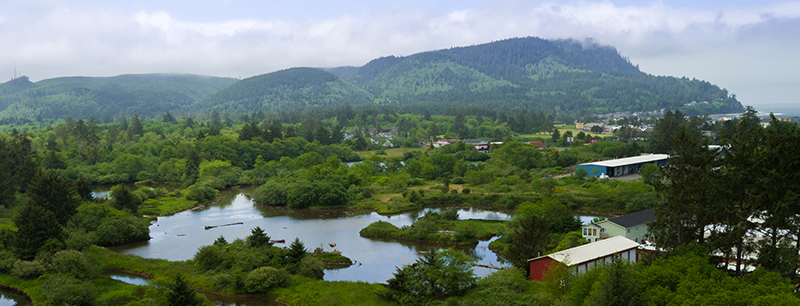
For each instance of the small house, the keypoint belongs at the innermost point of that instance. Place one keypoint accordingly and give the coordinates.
(632, 226)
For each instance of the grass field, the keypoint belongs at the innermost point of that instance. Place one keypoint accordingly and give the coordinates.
(165, 206)
(392, 152)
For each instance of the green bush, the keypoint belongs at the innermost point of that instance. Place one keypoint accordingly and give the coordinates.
(457, 180)
(66, 290)
(415, 181)
(465, 191)
(208, 257)
(28, 269)
(72, 263)
(200, 192)
(271, 193)
(7, 260)
(262, 279)
(311, 267)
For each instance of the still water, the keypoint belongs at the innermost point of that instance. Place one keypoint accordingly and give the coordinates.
(179, 236)
(8, 298)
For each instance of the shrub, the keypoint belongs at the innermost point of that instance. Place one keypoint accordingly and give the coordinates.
(72, 263)
(457, 180)
(311, 267)
(271, 193)
(66, 290)
(200, 192)
(415, 181)
(208, 257)
(262, 279)
(465, 191)
(7, 260)
(28, 269)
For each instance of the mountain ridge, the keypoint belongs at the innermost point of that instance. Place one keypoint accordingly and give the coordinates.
(554, 76)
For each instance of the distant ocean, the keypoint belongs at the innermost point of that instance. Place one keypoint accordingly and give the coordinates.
(779, 109)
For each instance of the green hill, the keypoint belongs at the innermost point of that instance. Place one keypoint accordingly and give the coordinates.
(102, 97)
(562, 75)
(532, 73)
(290, 89)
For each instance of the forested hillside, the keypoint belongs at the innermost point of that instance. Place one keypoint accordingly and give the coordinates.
(557, 77)
(103, 98)
(538, 74)
(290, 89)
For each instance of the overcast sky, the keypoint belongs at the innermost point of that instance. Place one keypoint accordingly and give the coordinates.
(752, 48)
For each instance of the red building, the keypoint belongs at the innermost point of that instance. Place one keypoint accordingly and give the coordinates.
(584, 257)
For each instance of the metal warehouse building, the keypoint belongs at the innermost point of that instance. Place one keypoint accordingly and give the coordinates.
(582, 258)
(623, 166)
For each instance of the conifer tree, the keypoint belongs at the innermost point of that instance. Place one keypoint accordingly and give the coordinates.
(180, 294)
(36, 225)
(53, 192)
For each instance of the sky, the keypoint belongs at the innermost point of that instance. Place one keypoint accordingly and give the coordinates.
(751, 48)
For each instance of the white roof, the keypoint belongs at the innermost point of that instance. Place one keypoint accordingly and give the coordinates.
(592, 251)
(629, 160)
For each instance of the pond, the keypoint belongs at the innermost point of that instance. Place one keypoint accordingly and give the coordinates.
(8, 298)
(179, 236)
(130, 279)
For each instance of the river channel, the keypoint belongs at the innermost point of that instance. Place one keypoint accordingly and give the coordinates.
(178, 237)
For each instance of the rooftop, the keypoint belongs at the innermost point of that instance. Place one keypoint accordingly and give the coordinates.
(629, 160)
(636, 218)
(592, 251)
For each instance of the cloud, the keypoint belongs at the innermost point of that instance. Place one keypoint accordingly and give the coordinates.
(66, 39)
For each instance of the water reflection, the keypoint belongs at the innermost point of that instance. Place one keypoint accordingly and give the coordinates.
(178, 237)
(8, 298)
(133, 280)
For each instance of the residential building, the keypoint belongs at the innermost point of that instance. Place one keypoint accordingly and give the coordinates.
(632, 226)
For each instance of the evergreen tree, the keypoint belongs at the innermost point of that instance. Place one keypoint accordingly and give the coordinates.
(322, 135)
(336, 134)
(529, 239)
(459, 126)
(168, 118)
(216, 122)
(36, 226)
(123, 199)
(556, 135)
(52, 160)
(275, 130)
(180, 294)
(258, 238)
(189, 123)
(690, 193)
(84, 188)
(136, 126)
(53, 192)
(192, 166)
(213, 131)
(290, 132)
(123, 125)
(296, 251)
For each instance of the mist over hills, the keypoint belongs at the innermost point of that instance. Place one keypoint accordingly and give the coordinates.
(576, 77)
